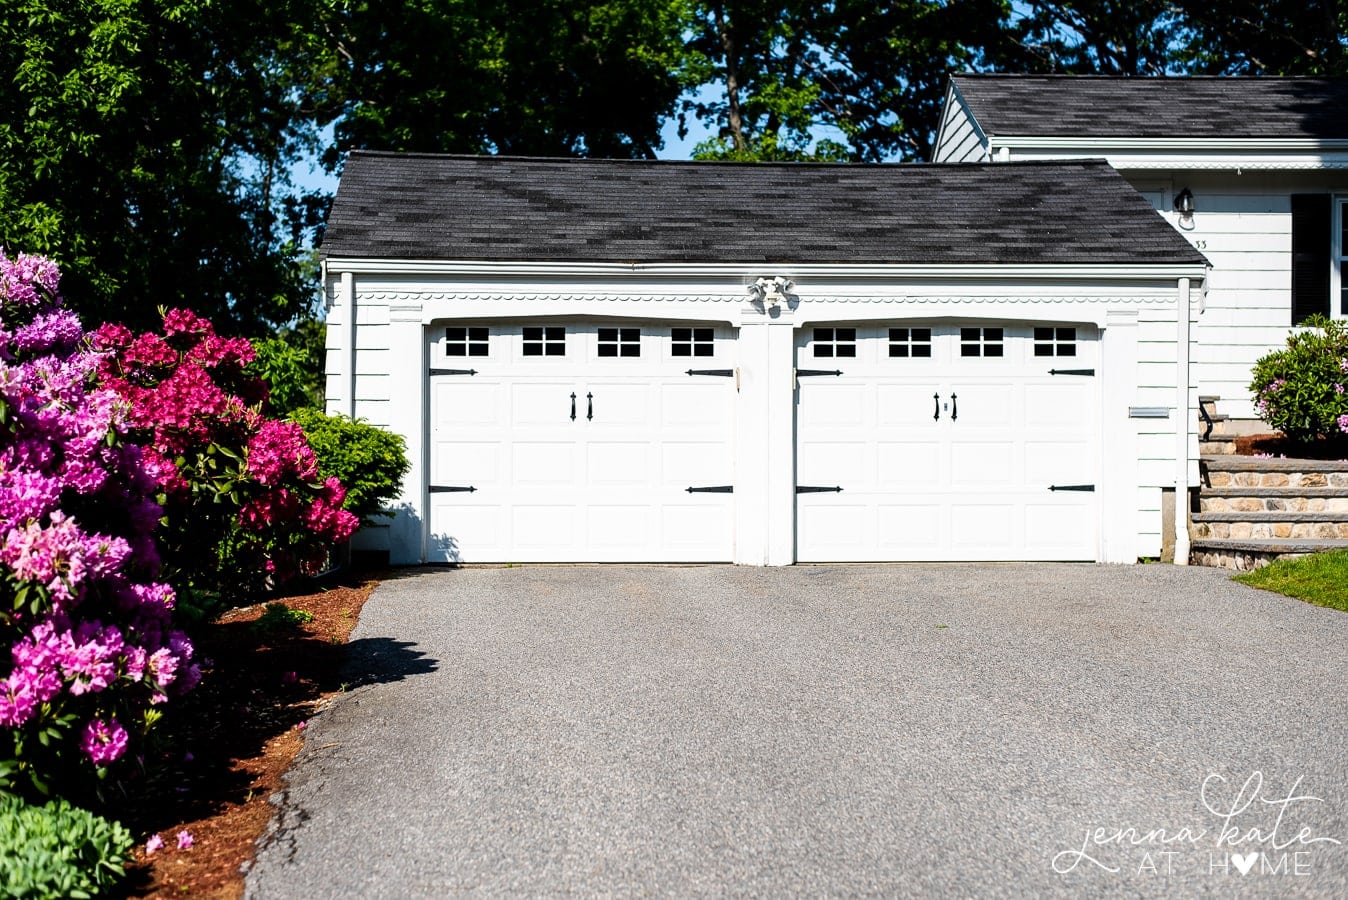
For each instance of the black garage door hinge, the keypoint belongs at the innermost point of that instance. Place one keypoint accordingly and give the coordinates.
(1071, 487)
(805, 372)
(816, 489)
(453, 371)
(721, 373)
(1071, 371)
(713, 489)
(452, 489)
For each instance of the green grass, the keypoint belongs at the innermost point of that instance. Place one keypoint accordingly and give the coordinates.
(1321, 578)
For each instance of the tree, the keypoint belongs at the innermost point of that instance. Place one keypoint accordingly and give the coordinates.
(145, 147)
(550, 78)
(870, 76)
(1106, 37)
(1267, 37)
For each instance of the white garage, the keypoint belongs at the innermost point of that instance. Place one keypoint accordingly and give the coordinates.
(606, 361)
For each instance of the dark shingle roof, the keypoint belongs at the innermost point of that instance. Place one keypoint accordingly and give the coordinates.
(410, 206)
(1094, 106)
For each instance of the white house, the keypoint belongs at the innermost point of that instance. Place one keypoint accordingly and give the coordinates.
(764, 363)
(1252, 171)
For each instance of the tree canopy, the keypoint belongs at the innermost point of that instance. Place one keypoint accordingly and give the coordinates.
(147, 144)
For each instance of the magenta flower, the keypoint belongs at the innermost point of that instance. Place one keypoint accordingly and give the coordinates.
(184, 840)
(103, 742)
(154, 843)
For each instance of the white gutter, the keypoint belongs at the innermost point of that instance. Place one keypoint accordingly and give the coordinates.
(797, 271)
(1183, 423)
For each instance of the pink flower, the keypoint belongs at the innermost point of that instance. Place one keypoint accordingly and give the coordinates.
(154, 843)
(184, 840)
(103, 742)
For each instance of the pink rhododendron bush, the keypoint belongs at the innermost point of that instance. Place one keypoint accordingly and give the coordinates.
(87, 647)
(244, 505)
(140, 484)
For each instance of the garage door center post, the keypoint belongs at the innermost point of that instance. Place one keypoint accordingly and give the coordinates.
(765, 443)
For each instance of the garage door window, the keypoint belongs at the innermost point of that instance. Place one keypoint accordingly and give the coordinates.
(840, 343)
(1055, 342)
(466, 341)
(907, 343)
(620, 342)
(544, 340)
(691, 341)
(981, 342)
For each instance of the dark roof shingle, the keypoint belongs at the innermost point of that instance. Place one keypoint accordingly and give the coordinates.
(414, 206)
(1195, 107)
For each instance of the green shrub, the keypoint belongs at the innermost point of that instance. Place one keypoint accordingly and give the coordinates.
(1300, 389)
(279, 617)
(369, 462)
(292, 381)
(58, 850)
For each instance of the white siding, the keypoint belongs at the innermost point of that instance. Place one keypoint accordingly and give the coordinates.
(958, 140)
(1243, 225)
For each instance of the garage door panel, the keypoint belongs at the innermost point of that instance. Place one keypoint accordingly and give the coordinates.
(838, 404)
(837, 526)
(980, 405)
(985, 462)
(1046, 522)
(545, 526)
(823, 461)
(907, 524)
(694, 463)
(695, 526)
(455, 403)
(469, 462)
(544, 463)
(693, 404)
(1056, 405)
(618, 462)
(917, 462)
(542, 404)
(910, 405)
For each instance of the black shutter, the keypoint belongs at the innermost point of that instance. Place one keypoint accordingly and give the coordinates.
(1311, 242)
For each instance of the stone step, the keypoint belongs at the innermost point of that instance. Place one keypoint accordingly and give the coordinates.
(1272, 499)
(1217, 445)
(1244, 555)
(1270, 525)
(1237, 471)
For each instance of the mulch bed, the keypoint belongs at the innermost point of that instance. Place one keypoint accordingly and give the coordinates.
(223, 749)
(1277, 445)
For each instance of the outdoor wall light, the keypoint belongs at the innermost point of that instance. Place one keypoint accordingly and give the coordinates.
(1184, 205)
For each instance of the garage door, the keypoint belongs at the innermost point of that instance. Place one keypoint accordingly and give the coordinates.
(586, 442)
(947, 442)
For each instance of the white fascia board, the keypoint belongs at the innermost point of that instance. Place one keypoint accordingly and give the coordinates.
(749, 271)
(1297, 154)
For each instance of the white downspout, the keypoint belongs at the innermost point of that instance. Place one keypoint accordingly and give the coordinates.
(1183, 423)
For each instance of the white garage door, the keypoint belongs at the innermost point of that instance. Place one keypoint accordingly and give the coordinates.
(947, 442)
(564, 441)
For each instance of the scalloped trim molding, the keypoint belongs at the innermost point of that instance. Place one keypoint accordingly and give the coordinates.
(407, 300)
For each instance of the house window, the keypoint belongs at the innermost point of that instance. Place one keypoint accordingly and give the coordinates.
(910, 343)
(1312, 255)
(835, 343)
(981, 342)
(544, 340)
(692, 342)
(620, 342)
(1055, 342)
(470, 341)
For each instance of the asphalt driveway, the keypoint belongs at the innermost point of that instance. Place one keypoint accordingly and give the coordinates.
(954, 730)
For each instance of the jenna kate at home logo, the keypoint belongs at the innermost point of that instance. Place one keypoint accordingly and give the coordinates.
(1253, 829)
